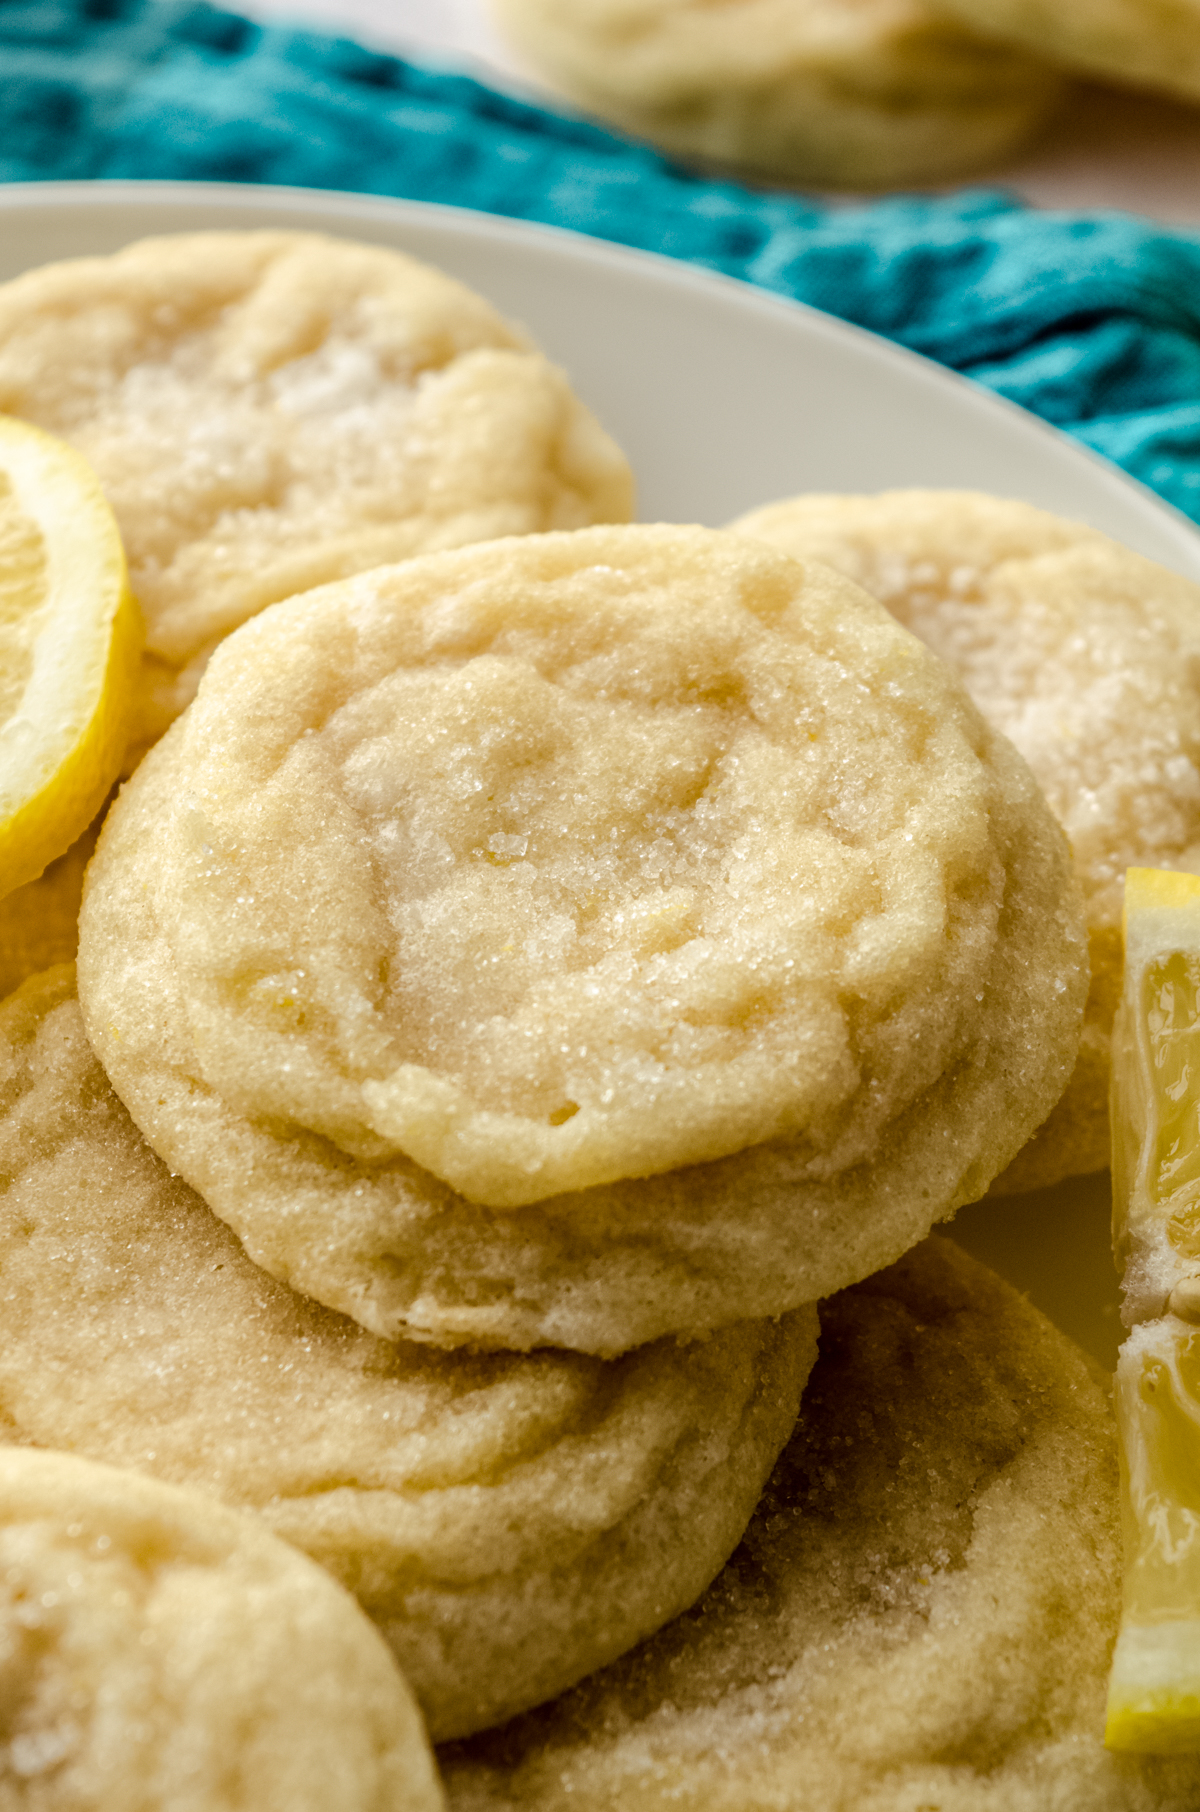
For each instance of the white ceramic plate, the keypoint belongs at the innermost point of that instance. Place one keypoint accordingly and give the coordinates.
(724, 397)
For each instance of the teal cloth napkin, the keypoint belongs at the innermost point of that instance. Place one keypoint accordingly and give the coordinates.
(1090, 320)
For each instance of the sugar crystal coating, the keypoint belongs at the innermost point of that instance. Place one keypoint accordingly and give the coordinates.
(158, 1650)
(518, 875)
(1088, 657)
(270, 410)
(921, 1612)
(511, 1522)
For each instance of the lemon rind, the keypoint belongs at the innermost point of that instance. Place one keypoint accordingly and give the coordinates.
(1150, 890)
(51, 790)
(1154, 1689)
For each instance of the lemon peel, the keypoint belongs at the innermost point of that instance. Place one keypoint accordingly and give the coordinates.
(1154, 1687)
(70, 647)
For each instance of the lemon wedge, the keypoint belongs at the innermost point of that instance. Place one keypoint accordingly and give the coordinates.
(1154, 1687)
(70, 646)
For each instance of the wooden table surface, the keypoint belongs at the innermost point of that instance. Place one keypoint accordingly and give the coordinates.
(1108, 149)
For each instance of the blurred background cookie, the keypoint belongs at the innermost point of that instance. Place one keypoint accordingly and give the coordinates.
(582, 938)
(159, 1650)
(511, 1522)
(921, 1612)
(1145, 43)
(1088, 657)
(839, 93)
(270, 410)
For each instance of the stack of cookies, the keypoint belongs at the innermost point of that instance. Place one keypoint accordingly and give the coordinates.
(523, 981)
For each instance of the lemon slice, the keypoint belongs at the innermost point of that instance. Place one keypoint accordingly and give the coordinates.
(70, 642)
(1154, 1688)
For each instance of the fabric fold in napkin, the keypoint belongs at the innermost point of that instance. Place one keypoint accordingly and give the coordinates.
(1090, 320)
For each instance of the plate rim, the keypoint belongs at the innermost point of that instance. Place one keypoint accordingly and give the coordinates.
(475, 224)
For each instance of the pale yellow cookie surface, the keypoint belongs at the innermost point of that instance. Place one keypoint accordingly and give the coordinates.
(921, 1612)
(532, 869)
(158, 1650)
(267, 411)
(853, 93)
(1149, 43)
(1086, 655)
(511, 1522)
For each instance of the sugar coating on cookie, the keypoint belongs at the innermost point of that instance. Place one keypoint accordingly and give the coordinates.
(921, 1612)
(859, 93)
(158, 1650)
(511, 1522)
(1147, 43)
(510, 876)
(555, 863)
(270, 410)
(1087, 656)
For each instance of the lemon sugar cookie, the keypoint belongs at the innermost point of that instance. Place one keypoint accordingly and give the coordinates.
(270, 410)
(158, 1650)
(581, 938)
(1147, 43)
(1088, 657)
(510, 1521)
(842, 93)
(921, 1612)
